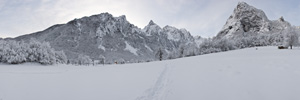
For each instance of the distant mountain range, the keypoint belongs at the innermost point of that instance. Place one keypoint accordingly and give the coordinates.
(115, 39)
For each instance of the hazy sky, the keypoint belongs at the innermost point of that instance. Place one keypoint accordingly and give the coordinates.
(200, 17)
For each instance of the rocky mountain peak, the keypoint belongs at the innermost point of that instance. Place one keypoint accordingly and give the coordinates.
(245, 18)
(248, 20)
(243, 5)
(122, 18)
(245, 11)
(103, 17)
(281, 19)
(152, 28)
(151, 23)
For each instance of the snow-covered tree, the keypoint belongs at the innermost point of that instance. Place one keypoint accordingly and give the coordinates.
(224, 44)
(216, 45)
(291, 37)
(101, 59)
(61, 57)
(16, 52)
(84, 60)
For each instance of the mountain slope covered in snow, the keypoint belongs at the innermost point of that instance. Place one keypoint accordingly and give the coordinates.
(113, 38)
(265, 73)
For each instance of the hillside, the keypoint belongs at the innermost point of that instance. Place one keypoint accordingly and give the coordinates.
(265, 73)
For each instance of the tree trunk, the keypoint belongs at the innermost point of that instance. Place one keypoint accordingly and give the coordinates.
(291, 46)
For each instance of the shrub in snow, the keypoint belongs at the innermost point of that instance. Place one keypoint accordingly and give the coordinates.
(224, 44)
(184, 51)
(84, 60)
(216, 45)
(190, 51)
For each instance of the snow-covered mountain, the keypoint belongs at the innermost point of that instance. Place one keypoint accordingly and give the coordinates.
(250, 20)
(113, 38)
(198, 40)
(117, 40)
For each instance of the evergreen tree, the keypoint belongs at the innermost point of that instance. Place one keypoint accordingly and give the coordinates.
(159, 54)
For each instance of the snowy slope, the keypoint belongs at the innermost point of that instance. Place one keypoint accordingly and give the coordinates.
(248, 74)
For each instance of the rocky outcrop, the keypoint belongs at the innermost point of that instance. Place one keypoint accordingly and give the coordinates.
(250, 20)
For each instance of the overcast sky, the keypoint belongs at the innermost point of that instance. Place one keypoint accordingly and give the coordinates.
(200, 17)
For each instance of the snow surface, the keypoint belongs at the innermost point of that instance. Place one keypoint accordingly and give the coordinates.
(101, 47)
(265, 73)
(148, 48)
(130, 48)
(171, 32)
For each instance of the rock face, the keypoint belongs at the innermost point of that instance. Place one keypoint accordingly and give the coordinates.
(113, 38)
(250, 20)
(198, 40)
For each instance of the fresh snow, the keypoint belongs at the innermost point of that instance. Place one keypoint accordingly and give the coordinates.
(171, 36)
(101, 47)
(264, 73)
(130, 48)
(148, 48)
(79, 27)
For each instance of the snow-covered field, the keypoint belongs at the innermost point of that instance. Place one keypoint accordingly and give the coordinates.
(247, 74)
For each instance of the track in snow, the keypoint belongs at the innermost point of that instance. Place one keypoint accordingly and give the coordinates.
(160, 89)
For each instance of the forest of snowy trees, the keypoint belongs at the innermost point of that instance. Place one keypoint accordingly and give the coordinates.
(16, 52)
(288, 37)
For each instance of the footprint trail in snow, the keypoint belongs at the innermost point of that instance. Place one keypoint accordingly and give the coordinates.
(159, 90)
